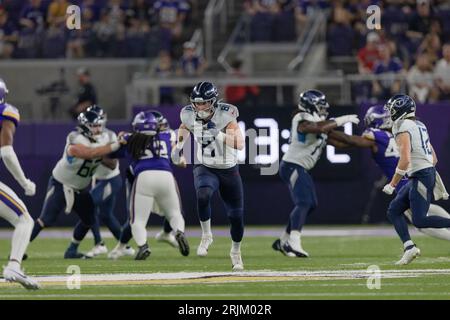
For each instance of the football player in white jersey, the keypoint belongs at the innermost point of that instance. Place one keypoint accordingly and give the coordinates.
(308, 138)
(218, 137)
(72, 175)
(417, 161)
(106, 184)
(12, 209)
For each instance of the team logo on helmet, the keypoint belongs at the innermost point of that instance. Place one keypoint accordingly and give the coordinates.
(146, 123)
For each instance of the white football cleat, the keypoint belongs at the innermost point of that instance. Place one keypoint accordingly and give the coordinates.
(202, 249)
(121, 251)
(97, 250)
(408, 256)
(294, 250)
(16, 275)
(236, 261)
(167, 237)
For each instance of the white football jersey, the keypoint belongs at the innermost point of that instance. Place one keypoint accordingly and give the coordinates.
(421, 151)
(305, 148)
(74, 172)
(210, 152)
(103, 172)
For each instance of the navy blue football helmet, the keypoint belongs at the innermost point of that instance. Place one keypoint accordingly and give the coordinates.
(98, 110)
(90, 124)
(401, 106)
(313, 101)
(146, 123)
(163, 124)
(204, 92)
(3, 91)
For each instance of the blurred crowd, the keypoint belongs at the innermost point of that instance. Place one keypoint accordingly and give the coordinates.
(109, 28)
(414, 40)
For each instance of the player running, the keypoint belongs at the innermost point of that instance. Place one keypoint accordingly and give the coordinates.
(379, 138)
(308, 138)
(218, 137)
(72, 175)
(418, 161)
(154, 182)
(12, 208)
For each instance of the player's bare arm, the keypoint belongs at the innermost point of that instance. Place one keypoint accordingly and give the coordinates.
(404, 145)
(10, 158)
(177, 158)
(233, 136)
(316, 127)
(435, 160)
(365, 141)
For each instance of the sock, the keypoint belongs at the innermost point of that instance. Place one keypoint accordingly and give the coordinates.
(235, 246)
(96, 232)
(206, 227)
(20, 238)
(408, 245)
(73, 245)
(284, 237)
(167, 227)
(237, 227)
(294, 238)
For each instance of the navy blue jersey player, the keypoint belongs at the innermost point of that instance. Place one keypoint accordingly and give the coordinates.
(379, 139)
(309, 131)
(218, 137)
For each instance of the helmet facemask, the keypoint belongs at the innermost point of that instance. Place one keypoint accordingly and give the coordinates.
(204, 112)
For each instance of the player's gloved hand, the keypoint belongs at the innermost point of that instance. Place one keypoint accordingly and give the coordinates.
(211, 128)
(123, 137)
(29, 187)
(177, 158)
(353, 118)
(388, 189)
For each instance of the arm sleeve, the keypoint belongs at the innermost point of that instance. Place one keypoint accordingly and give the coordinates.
(12, 164)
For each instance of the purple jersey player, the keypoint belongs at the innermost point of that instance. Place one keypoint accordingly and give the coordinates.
(154, 183)
(379, 138)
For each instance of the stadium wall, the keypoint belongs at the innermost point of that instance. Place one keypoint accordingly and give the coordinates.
(343, 189)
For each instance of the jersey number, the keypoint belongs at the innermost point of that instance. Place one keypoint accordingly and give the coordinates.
(425, 142)
(206, 145)
(391, 150)
(88, 168)
(163, 150)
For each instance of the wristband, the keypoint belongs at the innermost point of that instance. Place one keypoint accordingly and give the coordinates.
(400, 172)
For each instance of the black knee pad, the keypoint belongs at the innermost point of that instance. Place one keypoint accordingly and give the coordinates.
(204, 195)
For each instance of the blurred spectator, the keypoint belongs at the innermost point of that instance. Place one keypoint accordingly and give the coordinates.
(431, 46)
(442, 74)
(368, 55)
(420, 23)
(54, 42)
(241, 96)
(387, 65)
(420, 80)
(171, 15)
(79, 40)
(285, 23)
(57, 12)
(33, 16)
(86, 93)
(192, 64)
(165, 69)
(8, 35)
(262, 14)
(107, 33)
(340, 35)
(141, 10)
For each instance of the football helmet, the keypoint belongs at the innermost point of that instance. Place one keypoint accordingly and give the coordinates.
(90, 124)
(146, 123)
(3, 91)
(313, 101)
(163, 124)
(378, 117)
(204, 92)
(401, 106)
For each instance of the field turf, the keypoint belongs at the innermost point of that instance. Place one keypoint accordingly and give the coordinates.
(337, 269)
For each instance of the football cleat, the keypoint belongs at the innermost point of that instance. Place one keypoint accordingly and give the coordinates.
(182, 242)
(121, 251)
(294, 251)
(276, 245)
(97, 250)
(70, 254)
(408, 256)
(16, 275)
(143, 252)
(236, 261)
(166, 237)
(202, 249)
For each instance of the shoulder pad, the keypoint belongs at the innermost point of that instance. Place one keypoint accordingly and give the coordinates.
(403, 126)
(11, 113)
(232, 110)
(77, 138)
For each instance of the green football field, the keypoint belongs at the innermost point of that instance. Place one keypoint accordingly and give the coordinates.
(337, 269)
